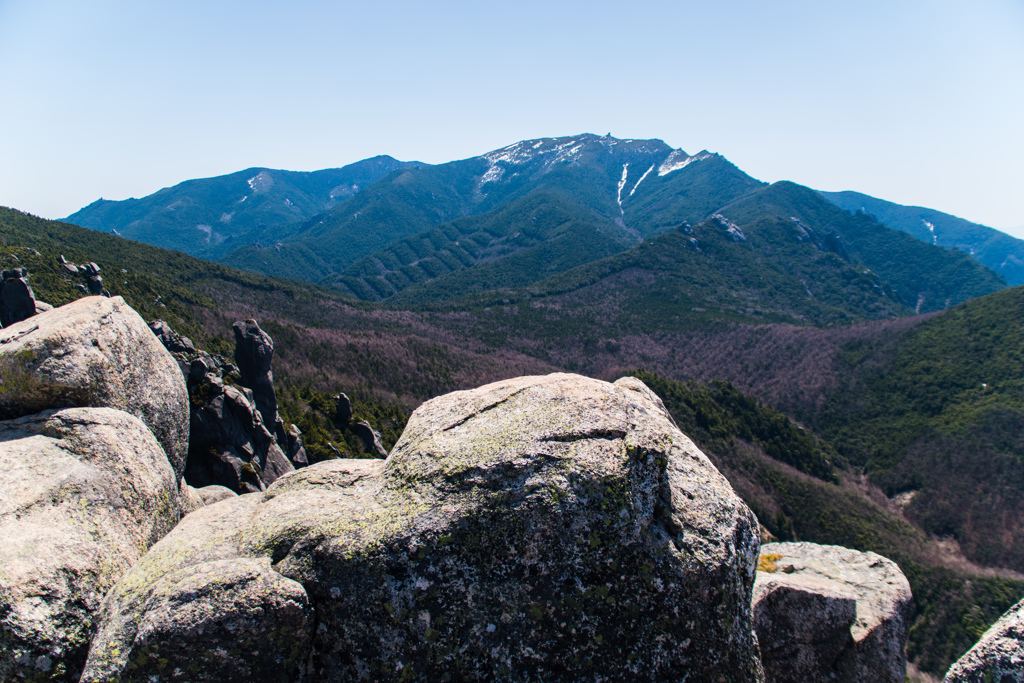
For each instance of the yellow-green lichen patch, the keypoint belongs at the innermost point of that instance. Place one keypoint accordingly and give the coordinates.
(769, 562)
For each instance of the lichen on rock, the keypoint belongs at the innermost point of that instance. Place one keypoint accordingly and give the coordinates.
(83, 493)
(824, 612)
(533, 529)
(95, 352)
(998, 656)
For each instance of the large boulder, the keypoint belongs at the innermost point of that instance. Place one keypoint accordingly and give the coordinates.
(369, 439)
(97, 352)
(533, 529)
(823, 612)
(998, 656)
(17, 301)
(83, 493)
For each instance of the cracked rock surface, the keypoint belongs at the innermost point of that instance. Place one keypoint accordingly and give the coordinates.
(83, 493)
(533, 529)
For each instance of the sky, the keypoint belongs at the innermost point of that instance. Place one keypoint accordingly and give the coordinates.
(918, 102)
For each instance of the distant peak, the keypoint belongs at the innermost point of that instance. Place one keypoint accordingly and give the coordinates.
(679, 159)
(567, 148)
(261, 182)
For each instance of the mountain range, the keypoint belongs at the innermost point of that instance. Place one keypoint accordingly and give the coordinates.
(997, 250)
(378, 227)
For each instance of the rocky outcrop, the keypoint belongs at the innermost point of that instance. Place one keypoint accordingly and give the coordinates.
(254, 350)
(83, 493)
(998, 656)
(231, 444)
(294, 448)
(369, 438)
(93, 280)
(172, 341)
(534, 529)
(830, 613)
(343, 410)
(17, 301)
(95, 352)
(215, 494)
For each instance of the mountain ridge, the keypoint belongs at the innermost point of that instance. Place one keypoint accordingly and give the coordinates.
(206, 216)
(326, 342)
(994, 248)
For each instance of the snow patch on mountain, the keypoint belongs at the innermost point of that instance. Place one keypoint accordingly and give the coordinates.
(931, 227)
(517, 153)
(679, 159)
(211, 234)
(261, 182)
(551, 150)
(622, 183)
(493, 174)
(641, 180)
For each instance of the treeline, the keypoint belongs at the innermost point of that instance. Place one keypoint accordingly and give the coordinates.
(717, 412)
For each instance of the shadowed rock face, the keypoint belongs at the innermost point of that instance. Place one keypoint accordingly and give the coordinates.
(95, 352)
(17, 301)
(230, 444)
(83, 493)
(998, 656)
(532, 529)
(254, 350)
(830, 613)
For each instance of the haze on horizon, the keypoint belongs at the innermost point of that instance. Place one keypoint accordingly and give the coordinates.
(915, 102)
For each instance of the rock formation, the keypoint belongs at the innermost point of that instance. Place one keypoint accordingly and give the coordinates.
(95, 352)
(343, 410)
(540, 528)
(83, 493)
(93, 281)
(998, 656)
(17, 301)
(369, 438)
(254, 350)
(830, 613)
(536, 528)
(231, 443)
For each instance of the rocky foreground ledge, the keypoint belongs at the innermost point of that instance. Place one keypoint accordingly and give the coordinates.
(541, 528)
(533, 529)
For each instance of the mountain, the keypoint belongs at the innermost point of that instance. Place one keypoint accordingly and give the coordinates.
(780, 254)
(643, 186)
(515, 245)
(937, 420)
(551, 216)
(211, 216)
(997, 250)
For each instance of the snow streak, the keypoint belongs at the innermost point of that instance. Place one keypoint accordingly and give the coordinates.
(641, 180)
(622, 184)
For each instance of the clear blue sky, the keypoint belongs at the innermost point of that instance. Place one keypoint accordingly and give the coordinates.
(918, 102)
